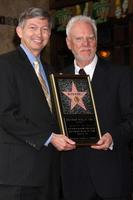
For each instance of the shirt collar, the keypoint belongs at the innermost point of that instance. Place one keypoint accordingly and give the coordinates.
(30, 56)
(89, 69)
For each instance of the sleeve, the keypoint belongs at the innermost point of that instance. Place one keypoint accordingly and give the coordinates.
(13, 120)
(123, 132)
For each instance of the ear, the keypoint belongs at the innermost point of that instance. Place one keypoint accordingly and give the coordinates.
(68, 43)
(19, 31)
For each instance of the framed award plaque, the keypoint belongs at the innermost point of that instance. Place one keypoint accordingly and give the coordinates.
(75, 108)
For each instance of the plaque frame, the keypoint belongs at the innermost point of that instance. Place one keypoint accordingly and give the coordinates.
(79, 122)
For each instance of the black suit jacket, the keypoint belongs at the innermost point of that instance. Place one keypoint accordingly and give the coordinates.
(25, 124)
(108, 171)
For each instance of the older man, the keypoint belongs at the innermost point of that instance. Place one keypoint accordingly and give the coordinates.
(101, 170)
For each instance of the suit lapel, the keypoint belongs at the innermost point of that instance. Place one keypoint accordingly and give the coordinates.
(100, 85)
(36, 92)
(99, 76)
(99, 81)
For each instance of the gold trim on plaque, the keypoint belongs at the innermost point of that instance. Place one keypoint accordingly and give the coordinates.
(79, 122)
(59, 116)
(94, 107)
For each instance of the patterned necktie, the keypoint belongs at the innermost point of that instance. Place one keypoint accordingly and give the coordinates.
(43, 84)
(82, 72)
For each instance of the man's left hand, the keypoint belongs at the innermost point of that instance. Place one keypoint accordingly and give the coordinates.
(104, 143)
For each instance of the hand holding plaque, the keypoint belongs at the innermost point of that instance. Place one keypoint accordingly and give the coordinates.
(75, 108)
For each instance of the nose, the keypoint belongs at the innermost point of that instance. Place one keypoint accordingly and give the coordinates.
(39, 32)
(85, 41)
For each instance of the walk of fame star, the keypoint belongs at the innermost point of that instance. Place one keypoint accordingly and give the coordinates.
(76, 97)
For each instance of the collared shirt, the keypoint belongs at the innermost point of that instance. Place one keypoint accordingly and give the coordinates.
(32, 58)
(89, 69)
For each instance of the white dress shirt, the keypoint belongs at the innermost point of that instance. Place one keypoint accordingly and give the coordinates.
(89, 69)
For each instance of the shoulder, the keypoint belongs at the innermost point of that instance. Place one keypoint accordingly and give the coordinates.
(112, 67)
(68, 69)
(7, 56)
(48, 67)
(14, 61)
(7, 61)
(114, 74)
(12, 56)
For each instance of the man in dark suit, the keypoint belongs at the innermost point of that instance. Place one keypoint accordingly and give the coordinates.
(101, 170)
(28, 159)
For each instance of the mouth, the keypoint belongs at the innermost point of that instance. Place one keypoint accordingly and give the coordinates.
(37, 41)
(86, 50)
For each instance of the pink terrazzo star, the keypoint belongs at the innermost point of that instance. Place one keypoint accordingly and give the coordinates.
(76, 97)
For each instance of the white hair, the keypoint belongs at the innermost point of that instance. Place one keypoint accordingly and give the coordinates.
(83, 18)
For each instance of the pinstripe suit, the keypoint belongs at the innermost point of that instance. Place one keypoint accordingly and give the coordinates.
(25, 125)
(86, 171)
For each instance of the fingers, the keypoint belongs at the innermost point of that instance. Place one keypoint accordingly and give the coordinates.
(104, 143)
(62, 143)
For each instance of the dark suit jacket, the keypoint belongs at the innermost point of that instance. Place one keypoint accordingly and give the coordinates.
(108, 171)
(25, 124)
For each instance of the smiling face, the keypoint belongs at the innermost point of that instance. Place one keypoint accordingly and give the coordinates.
(34, 34)
(82, 42)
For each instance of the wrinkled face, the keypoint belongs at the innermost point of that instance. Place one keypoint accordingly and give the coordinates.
(82, 42)
(34, 34)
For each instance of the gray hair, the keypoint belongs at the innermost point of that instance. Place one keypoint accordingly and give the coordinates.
(32, 13)
(83, 18)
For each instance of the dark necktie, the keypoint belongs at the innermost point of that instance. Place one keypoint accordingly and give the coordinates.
(82, 72)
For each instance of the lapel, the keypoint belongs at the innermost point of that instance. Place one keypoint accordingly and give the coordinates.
(36, 95)
(99, 81)
(69, 70)
(99, 77)
(48, 70)
(28, 70)
(100, 85)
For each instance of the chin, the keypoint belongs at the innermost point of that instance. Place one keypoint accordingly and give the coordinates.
(87, 59)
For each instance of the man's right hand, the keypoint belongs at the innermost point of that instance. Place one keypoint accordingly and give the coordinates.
(62, 142)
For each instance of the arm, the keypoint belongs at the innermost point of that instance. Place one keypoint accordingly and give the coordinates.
(15, 116)
(120, 104)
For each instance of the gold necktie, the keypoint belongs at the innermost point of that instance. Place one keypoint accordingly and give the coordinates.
(43, 84)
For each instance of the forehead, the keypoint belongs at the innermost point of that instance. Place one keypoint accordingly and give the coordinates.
(81, 27)
(37, 21)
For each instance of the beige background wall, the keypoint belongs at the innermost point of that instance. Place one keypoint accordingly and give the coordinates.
(12, 9)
